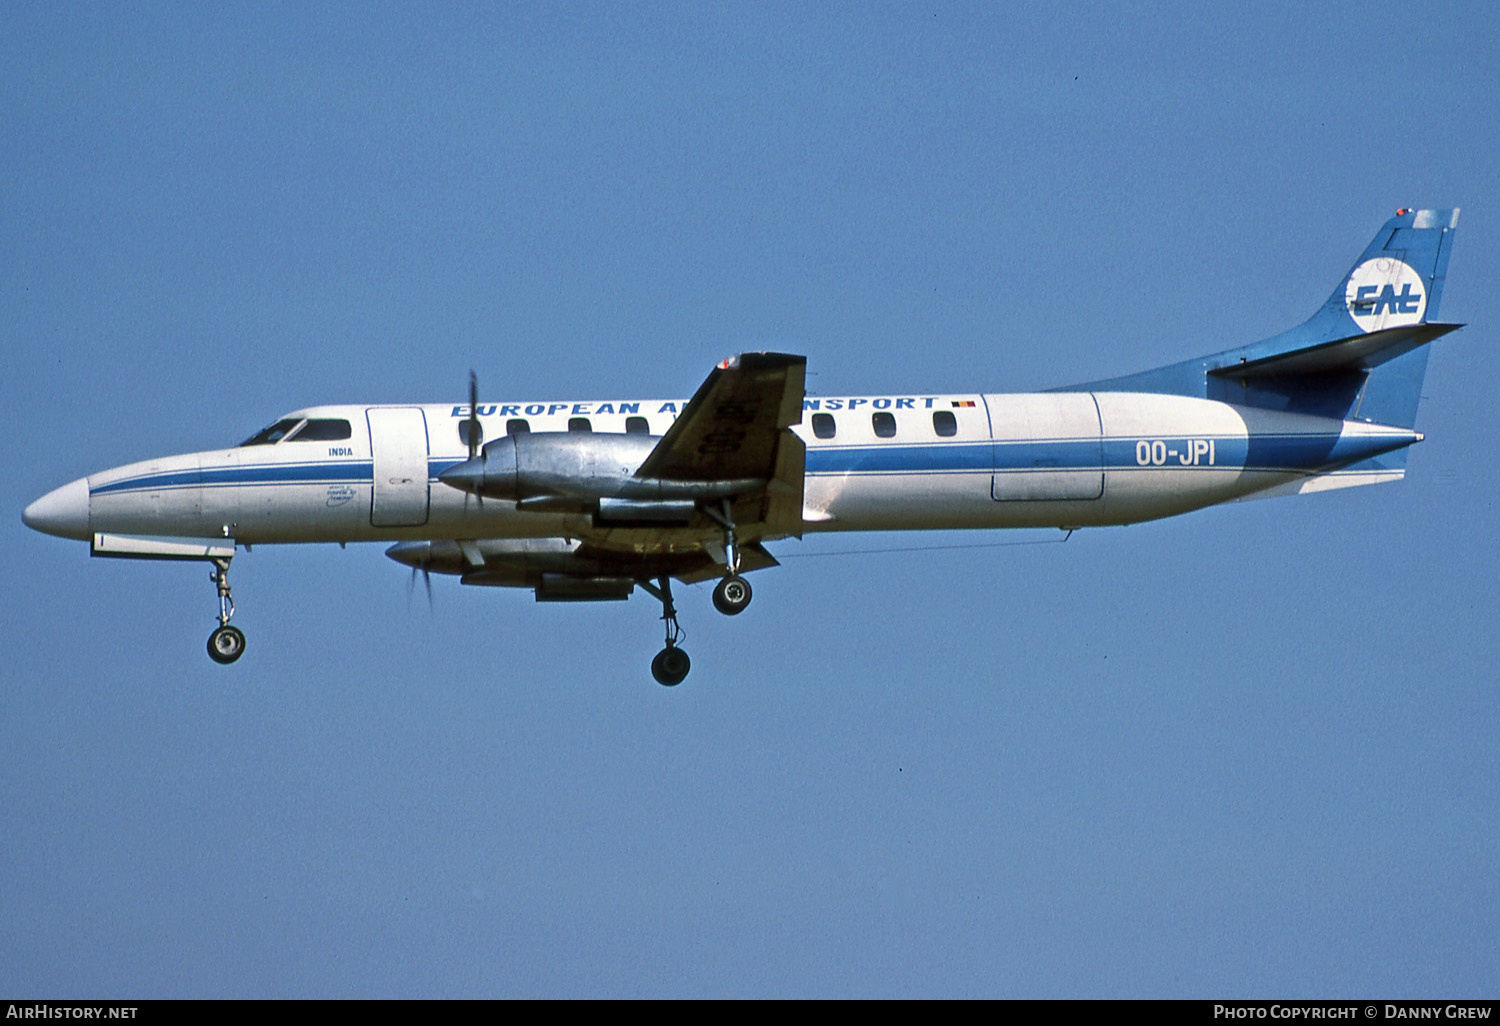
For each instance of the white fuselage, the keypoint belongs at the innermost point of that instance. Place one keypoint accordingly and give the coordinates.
(1062, 459)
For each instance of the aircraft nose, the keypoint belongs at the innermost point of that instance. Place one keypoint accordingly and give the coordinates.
(63, 511)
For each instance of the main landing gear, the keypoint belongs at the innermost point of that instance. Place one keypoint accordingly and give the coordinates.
(731, 597)
(226, 643)
(671, 664)
(732, 594)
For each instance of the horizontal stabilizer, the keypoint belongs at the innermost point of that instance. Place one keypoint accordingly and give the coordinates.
(1358, 352)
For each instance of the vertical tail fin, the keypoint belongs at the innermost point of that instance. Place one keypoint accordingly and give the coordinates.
(1397, 281)
(1361, 356)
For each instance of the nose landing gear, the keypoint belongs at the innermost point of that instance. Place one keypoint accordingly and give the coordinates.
(226, 643)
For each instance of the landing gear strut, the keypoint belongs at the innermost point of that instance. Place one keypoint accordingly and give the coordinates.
(732, 594)
(226, 643)
(671, 664)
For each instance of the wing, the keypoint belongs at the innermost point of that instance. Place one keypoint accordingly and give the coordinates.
(737, 427)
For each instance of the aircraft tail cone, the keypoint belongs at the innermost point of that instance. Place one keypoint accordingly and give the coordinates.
(1371, 441)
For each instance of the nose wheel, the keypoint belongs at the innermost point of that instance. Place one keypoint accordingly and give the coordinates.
(226, 643)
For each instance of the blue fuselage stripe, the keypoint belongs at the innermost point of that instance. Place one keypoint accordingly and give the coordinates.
(1305, 452)
(344, 472)
(1265, 452)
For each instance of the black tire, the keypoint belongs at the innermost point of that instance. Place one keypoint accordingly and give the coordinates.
(670, 666)
(732, 595)
(226, 644)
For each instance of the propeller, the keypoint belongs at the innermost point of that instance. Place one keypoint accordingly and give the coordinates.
(474, 430)
(411, 585)
(418, 556)
(476, 434)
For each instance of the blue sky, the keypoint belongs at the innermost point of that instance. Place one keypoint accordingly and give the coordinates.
(1247, 752)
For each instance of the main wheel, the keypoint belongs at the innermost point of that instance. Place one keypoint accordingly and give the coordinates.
(226, 644)
(670, 666)
(732, 595)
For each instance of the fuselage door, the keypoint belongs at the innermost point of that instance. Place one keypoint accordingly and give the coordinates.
(1048, 447)
(398, 444)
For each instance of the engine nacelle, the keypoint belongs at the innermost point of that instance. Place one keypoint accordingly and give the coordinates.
(558, 569)
(499, 562)
(563, 464)
(571, 471)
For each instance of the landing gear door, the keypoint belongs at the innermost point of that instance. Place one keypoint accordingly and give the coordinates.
(398, 444)
(1048, 447)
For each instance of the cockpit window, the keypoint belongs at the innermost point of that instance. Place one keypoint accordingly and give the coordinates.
(273, 434)
(322, 431)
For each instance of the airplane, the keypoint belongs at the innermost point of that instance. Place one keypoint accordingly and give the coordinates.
(586, 501)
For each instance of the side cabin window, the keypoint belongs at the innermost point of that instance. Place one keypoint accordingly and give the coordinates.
(944, 423)
(823, 425)
(637, 426)
(463, 432)
(579, 424)
(273, 434)
(517, 426)
(319, 430)
(884, 424)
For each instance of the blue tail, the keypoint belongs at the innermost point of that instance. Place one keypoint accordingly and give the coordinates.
(1362, 356)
